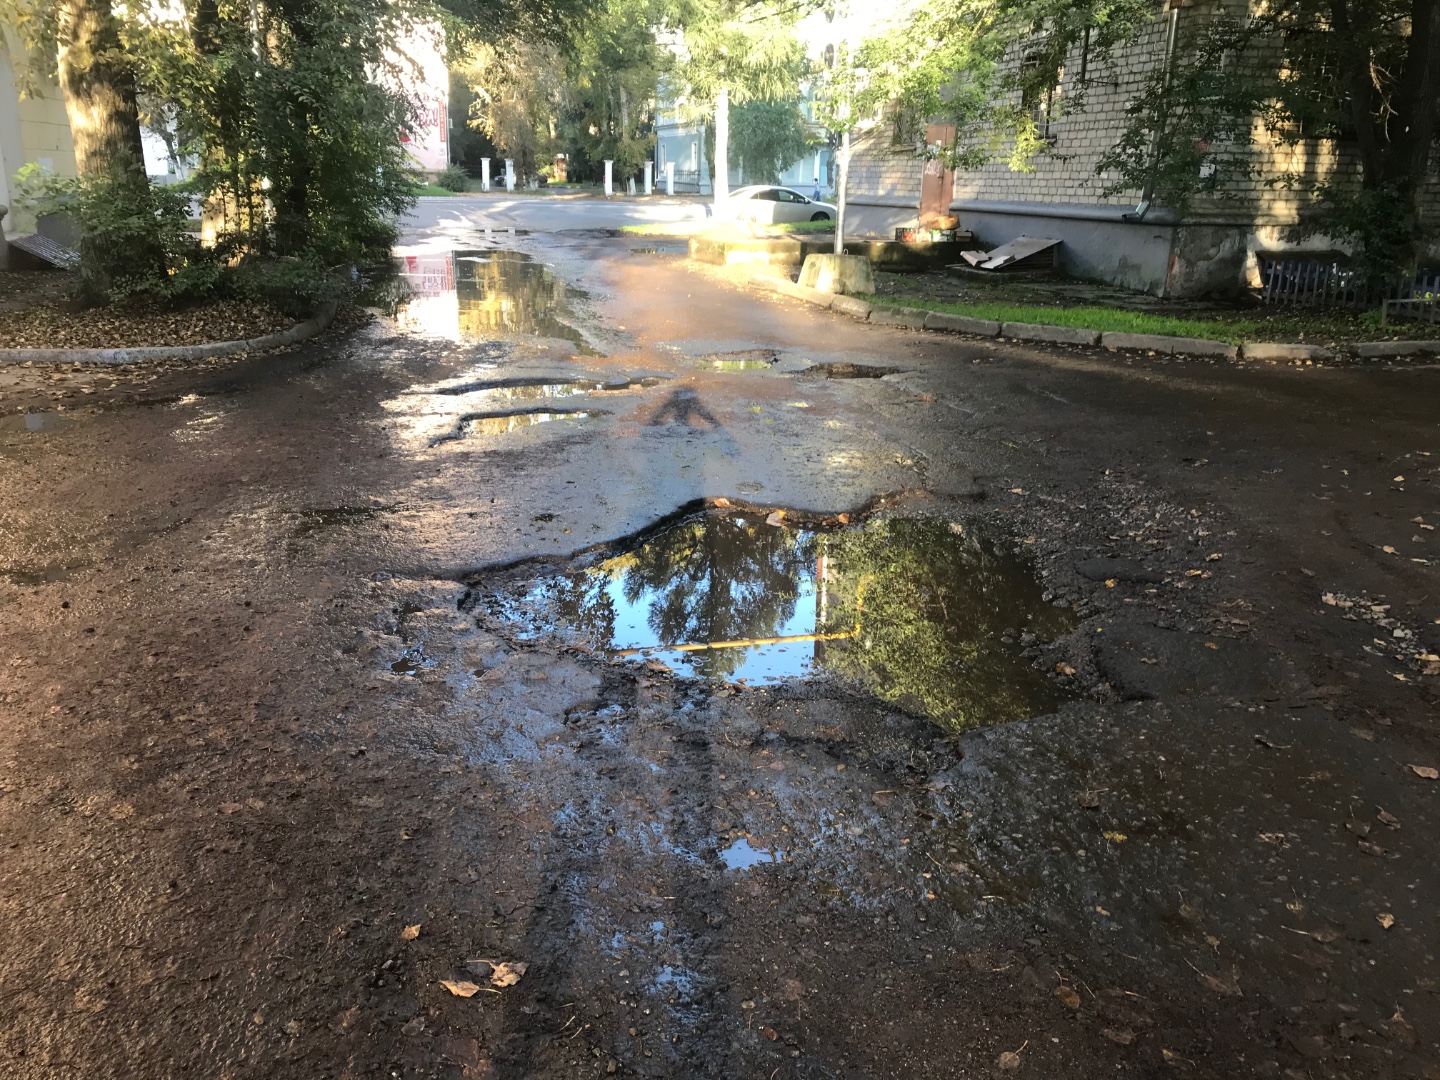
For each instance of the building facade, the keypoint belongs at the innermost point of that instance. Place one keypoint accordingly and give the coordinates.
(34, 130)
(1215, 247)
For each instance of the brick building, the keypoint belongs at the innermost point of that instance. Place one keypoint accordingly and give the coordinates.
(1213, 248)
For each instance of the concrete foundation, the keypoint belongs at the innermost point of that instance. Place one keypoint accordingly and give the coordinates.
(851, 275)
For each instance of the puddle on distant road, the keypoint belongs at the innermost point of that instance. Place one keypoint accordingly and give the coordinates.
(482, 294)
(742, 360)
(503, 425)
(914, 609)
(851, 371)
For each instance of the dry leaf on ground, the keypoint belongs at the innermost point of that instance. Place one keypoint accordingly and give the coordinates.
(1010, 1059)
(1068, 996)
(1426, 771)
(460, 989)
(508, 974)
(1123, 1036)
(410, 933)
(1385, 919)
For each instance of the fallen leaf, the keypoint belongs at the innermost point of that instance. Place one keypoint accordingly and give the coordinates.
(1273, 838)
(508, 974)
(410, 933)
(1399, 479)
(776, 518)
(1068, 996)
(844, 519)
(235, 807)
(1389, 550)
(770, 1033)
(1116, 837)
(1223, 988)
(1111, 582)
(1425, 772)
(1211, 645)
(1100, 910)
(1402, 1028)
(1214, 557)
(462, 989)
(1010, 1059)
(1372, 848)
(1385, 919)
(1387, 818)
(1326, 936)
(1065, 669)
(414, 1026)
(1017, 491)
(1193, 573)
(722, 502)
(1090, 800)
(1123, 1036)
(466, 1053)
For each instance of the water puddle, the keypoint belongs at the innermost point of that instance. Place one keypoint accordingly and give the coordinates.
(851, 371)
(743, 360)
(921, 612)
(742, 856)
(514, 421)
(482, 294)
(31, 422)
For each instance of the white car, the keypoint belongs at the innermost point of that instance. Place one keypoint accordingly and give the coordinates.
(767, 204)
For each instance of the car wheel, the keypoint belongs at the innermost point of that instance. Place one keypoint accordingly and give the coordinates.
(820, 216)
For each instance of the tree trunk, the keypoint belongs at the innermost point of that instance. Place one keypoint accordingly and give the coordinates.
(99, 88)
(1416, 99)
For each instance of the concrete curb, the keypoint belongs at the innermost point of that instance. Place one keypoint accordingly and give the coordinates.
(924, 319)
(297, 333)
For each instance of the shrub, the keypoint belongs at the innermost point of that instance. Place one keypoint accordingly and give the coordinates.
(135, 235)
(294, 284)
(454, 178)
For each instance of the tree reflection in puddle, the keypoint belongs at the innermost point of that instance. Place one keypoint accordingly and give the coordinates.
(912, 608)
(483, 294)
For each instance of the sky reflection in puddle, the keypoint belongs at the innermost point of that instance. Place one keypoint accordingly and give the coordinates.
(914, 609)
(742, 856)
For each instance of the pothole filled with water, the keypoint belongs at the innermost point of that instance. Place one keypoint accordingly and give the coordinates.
(850, 371)
(505, 423)
(741, 360)
(483, 293)
(922, 612)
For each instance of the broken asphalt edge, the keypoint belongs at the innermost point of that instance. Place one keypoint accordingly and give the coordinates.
(301, 331)
(924, 319)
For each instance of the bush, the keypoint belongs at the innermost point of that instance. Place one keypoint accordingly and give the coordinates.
(296, 285)
(454, 178)
(135, 236)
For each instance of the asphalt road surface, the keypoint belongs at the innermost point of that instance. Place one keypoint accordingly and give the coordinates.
(1112, 755)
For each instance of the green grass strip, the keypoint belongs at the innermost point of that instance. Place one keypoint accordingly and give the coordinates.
(1091, 318)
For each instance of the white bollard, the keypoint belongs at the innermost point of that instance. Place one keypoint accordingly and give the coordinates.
(509, 175)
(609, 178)
(649, 176)
(484, 174)
(669, 178)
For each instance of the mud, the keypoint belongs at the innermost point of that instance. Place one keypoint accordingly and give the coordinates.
(259, 727)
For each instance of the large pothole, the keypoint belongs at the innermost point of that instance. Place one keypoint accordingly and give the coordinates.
(922, 612)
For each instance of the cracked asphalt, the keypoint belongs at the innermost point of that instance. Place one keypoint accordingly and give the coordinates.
(256, 726)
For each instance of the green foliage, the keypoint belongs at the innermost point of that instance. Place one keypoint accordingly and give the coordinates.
(747, 47)
(299, 145)
(768, 137)
(1305, 72)
(295, 284)
(942, 64)
(135, 235)
(453, 178)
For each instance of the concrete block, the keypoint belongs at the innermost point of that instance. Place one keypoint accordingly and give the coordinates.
(1147, 342)
(1396, 348)
(1194, 346)
(1283, 350)
(848, 305)
(1163, 343)
(848, 274)
(961, 324)
(804, 292)
(898, 316)
(1066, 335)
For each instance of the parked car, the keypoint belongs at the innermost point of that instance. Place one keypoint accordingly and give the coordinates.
(767, 204)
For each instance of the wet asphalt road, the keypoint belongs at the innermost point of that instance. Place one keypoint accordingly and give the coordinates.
(257, 723)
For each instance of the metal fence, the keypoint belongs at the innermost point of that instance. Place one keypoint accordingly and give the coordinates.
(1329, 281)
